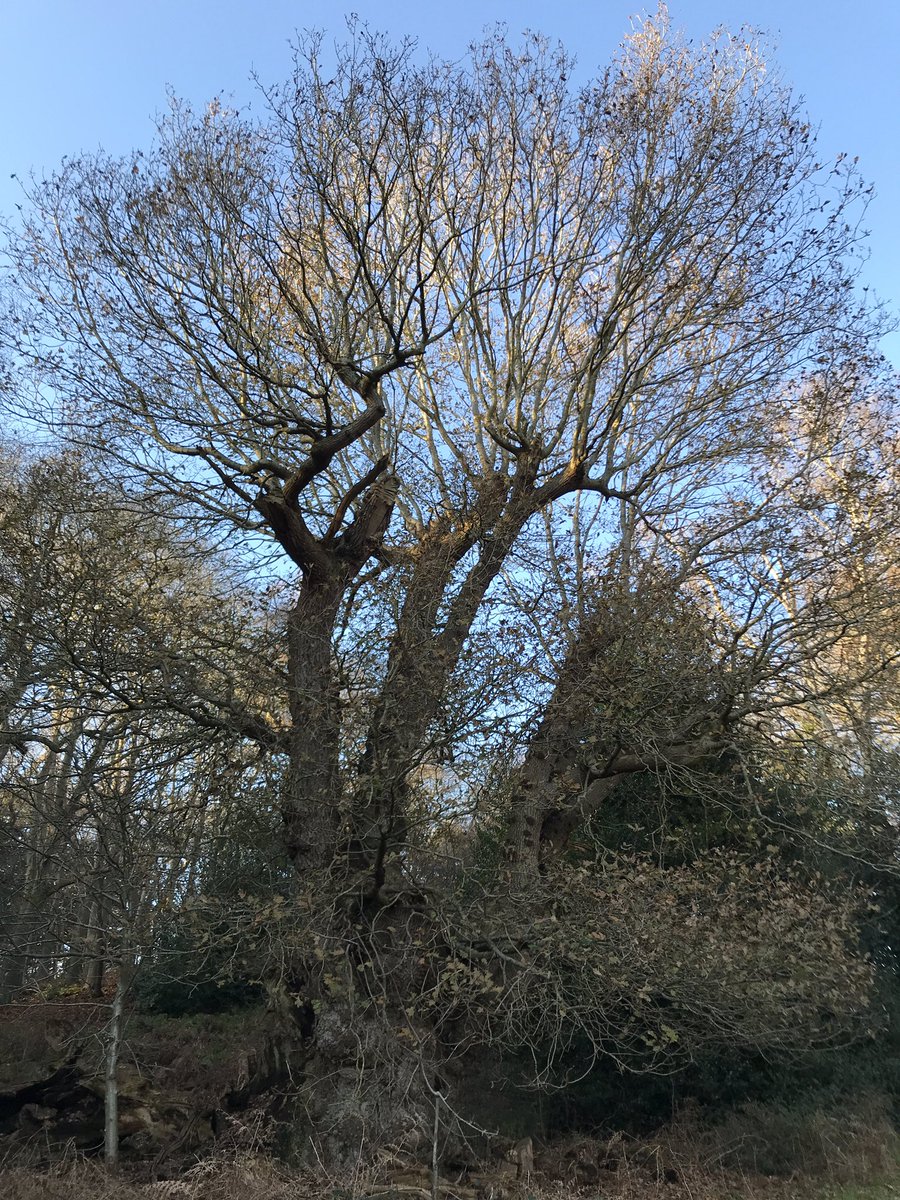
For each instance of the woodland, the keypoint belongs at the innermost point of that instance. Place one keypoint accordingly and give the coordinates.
(449, 634)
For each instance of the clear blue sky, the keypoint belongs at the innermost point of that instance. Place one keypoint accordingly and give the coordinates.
(81, 74)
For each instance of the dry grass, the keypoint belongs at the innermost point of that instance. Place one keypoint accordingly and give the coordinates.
(254, 1179)
(261, 1179)
(855, 1145)
(757, 1153)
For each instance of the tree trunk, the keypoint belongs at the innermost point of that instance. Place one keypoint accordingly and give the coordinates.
(548, 777)
(94, 977)
(310, 810)
(14, 959)
(544, 776)
(111, 1091)
(422, 659)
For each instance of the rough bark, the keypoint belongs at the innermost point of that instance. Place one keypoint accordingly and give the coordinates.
(424, 654)
(329, 564)
(310, 808)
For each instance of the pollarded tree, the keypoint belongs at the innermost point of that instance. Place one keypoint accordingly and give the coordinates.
(392, 329)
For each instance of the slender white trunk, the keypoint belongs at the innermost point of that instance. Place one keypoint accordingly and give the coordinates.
(435, 1174)
(113, 1045)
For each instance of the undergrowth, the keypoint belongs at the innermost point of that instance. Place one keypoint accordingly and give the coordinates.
(756, 1153)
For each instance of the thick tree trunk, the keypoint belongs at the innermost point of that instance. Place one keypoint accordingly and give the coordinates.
(546, 776)
(329, 564)
(422, 659)
(310, 810)
(549, 778)
(414, 681)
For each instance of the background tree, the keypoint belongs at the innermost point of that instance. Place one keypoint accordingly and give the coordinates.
(106, 784)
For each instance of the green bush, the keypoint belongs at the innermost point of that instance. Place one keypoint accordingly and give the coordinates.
(185, 975)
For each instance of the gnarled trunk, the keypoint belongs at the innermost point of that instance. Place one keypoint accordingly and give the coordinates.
(310, 808)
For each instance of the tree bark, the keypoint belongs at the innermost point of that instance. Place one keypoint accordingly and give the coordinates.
(111, 1089)
(310, 810)
(422, 659)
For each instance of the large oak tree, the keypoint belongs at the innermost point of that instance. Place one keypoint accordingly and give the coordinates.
(529, 384)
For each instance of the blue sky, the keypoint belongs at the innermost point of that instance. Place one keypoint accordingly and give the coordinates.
(81, 74)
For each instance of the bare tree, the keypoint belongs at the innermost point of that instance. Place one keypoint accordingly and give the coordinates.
(104, 782)
(418, 328)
